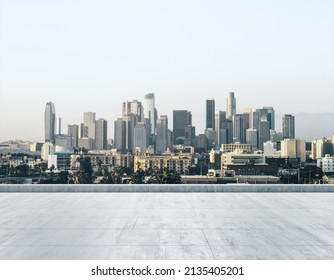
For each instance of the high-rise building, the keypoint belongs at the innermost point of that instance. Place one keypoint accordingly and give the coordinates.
(47, 149)
(220, 125)
(130, 123)
(181, 119)
(134, 107)
(73, 131)
(49, 122)
(150, 111)
(58, 125)
(251, 137)
(119, 135)
(271, 116)
(230, 106)
(288, 127)
(89, 125)
(162, 134)
(264, 133)
(141, 136)
(238, 128)
(293, 148)
(247, 118)
(210, 113)
(101, 137)
(81, 130)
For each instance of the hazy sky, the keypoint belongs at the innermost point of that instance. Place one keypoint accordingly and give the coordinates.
(92, 55)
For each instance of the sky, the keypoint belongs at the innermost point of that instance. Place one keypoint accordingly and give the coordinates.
(93, 55)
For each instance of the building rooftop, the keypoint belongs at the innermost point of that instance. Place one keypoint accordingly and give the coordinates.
(155, 225)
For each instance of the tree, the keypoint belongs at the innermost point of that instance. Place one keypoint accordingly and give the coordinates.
(63, 177)
(164, 176)
(138, 177)
(116, 174)
(85, 174)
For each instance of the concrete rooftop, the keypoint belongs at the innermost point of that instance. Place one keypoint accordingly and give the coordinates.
(166, 226)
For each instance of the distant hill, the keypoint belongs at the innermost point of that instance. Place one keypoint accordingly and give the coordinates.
(311, 126)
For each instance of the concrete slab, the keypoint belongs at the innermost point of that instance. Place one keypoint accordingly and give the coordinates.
(166, 225)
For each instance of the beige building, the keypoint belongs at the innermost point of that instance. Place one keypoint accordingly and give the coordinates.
(228, 148)
(293, 148)
(47, 149)
(179, 163)
(241, 158)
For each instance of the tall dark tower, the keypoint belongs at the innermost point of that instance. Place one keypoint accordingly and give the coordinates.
(49, 122)
(210, 114)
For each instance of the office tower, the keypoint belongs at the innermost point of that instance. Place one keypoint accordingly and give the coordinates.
(73, 131)
(80, 130)
(141, 137)
(251, 137)
(210, 113)
(58, 125)
(130, 124)
(293, 148)
(149, 110)
(101, 134)
(271, 116)
(49, 122)
(220, 125)
(189, 134)
(119, 135)
(181, 119)
(247, 118)
(89, 125)
(230, 106)
(162, 134)
(211, 137)
(288, 127)
(264, 133)
(238, 128)
(134, 107)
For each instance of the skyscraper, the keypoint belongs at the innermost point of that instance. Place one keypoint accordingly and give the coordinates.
(119, 135)
(140, 136)
(271, 116)
(251, 137)
(230, 106)
(238, 128)
(181, 119)
(264, 133)
(58, 125)
(149, 110)
(49, 122)
(288, 127)
(134, 107)
(89, 125)
(210, 114)
(162, 134)
(73, 131)
(101, 131)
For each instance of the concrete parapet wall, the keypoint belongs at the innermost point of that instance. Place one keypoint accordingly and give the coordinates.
(168, 188)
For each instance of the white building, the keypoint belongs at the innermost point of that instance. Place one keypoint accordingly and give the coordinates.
(326, 163)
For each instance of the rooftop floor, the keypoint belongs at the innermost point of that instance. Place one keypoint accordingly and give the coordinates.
(166, 226)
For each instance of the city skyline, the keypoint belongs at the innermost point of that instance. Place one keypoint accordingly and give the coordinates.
(269, 54)
(198, 119)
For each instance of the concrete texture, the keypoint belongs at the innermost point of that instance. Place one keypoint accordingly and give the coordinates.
(168, 188)
(166, 226)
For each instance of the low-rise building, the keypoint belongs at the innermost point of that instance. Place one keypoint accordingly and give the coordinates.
(178, 163)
